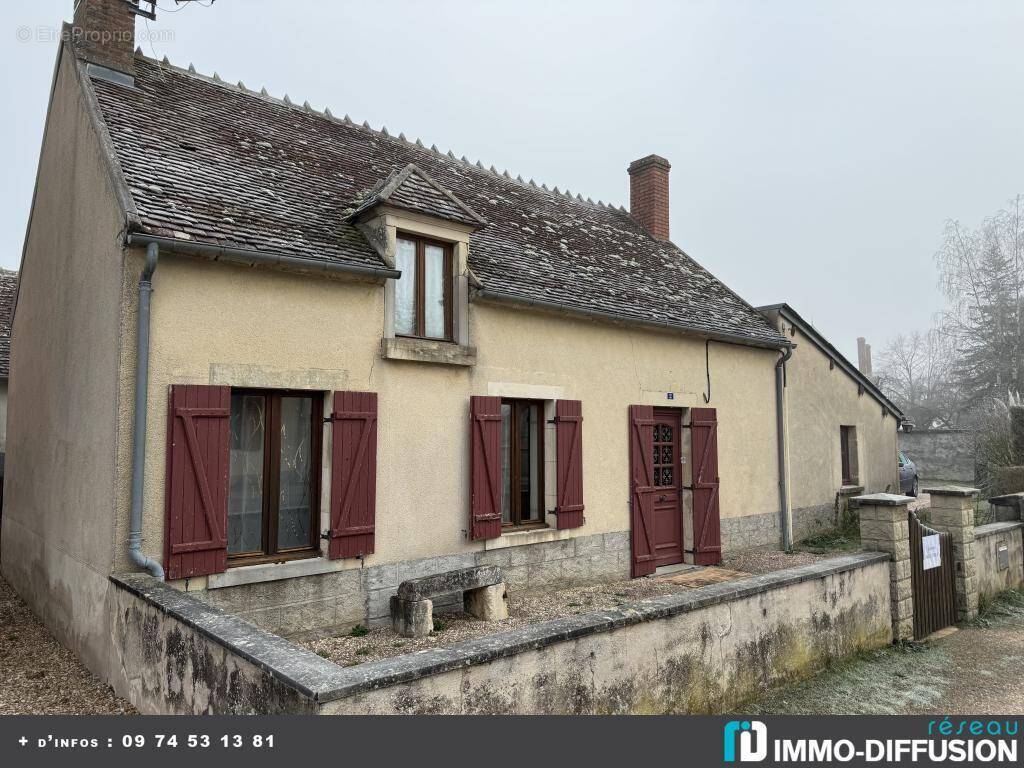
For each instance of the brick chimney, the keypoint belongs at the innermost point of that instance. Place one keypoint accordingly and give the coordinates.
(863, 356)
(103, 32)
(648, 194)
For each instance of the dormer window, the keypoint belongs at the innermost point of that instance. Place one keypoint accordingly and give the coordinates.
(423, 300)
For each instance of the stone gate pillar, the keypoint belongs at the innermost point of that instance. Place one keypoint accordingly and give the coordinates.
(952, 512)
(884, 528)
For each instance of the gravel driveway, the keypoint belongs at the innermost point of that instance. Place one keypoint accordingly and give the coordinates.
(40, 676)
(975, 671)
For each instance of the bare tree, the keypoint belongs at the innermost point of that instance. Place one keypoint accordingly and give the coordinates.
(981, 273)
(915, 372)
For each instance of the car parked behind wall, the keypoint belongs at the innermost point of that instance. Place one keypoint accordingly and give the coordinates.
(909, 481)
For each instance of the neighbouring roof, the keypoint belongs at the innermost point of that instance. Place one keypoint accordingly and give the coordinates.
(826, 347)
(8, 291)
(216, 163)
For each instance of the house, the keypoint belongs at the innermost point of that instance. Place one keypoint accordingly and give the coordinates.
(285, 361)
(841, 430)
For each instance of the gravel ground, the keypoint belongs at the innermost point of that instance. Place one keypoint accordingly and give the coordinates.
(975, 671)
(527, 608)
(768, 560)
(42, 677)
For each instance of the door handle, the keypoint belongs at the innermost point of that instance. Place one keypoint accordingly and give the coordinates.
(662, 497)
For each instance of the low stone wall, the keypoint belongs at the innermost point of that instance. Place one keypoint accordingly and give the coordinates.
(941, 454)
(993, 575)
(702, 650)
(172, 654)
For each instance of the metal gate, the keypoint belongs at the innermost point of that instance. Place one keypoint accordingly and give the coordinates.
(931, 578)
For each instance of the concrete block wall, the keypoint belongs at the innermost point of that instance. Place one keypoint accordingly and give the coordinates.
(952, 512)
(762, 531)
(993, 576)
(945, 455)
(884, 527)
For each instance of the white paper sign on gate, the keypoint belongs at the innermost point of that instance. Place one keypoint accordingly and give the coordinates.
(932, 552)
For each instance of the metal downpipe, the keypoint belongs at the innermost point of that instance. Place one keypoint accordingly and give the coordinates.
(785, 520)
(139, 434)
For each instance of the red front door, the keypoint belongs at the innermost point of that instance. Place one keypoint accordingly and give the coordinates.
(667, 501)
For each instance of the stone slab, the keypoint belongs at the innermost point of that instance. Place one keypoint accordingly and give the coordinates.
(445, 583)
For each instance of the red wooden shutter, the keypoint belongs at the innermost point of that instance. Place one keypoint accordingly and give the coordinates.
(641, 486)
(198, 457)
(353, 474)
(707, 527)
(569, 452)
(485, 467)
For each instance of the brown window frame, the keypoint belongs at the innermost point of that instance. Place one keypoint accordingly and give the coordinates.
(272, 479)
(421, 290)
(846, 465)
(515, 474)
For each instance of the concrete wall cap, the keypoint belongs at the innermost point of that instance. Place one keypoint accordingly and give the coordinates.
(882, 499)
(991, 529)
(1007, 499)
(950, 490)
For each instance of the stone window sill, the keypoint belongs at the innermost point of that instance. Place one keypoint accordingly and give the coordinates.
(292, 569)
(427, 351)
(851, 490)
(529, 536)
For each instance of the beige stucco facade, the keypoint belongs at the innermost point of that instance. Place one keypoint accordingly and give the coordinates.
(820, 398)
(224, 324)
(58, 522)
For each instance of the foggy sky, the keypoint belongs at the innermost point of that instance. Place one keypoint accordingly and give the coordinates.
(816, 148)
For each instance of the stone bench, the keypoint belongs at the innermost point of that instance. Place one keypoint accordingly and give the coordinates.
(483, 596)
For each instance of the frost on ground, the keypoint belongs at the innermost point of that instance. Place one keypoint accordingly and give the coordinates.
(974, 671)
(40, 676)
(526, 608)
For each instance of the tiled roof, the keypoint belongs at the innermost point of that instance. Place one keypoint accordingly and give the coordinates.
(8, 289)
(217, 163)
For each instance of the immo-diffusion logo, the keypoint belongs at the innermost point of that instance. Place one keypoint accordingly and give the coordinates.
(752, 736)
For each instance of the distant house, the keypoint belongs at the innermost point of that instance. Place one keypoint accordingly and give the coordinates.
(284, 361)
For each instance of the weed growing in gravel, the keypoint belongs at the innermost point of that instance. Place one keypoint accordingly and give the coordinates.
(359, 631)
(439, 625)
(364, 651)
(844, 538)
(994, 610)
(323, 654)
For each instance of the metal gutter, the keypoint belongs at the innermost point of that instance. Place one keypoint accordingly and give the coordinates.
(139, 429)
(597, 314)
(785, 515)
(253, 257)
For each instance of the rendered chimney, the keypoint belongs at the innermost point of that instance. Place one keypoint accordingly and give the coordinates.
(104, 33)
(863, 356)
(648, 194)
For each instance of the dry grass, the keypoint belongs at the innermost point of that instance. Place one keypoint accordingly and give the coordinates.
(42, 677)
